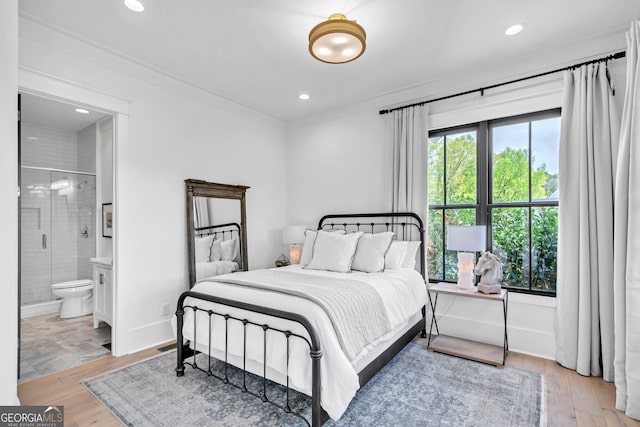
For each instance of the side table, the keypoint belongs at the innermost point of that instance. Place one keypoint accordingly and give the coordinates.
(468, 349)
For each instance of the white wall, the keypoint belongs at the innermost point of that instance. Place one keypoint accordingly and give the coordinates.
(174, 132)
(337, 166)
(8, 200)
(104, 182)
(337, 162)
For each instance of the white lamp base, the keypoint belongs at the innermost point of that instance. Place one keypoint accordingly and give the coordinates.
(465, 270)
(294, 254)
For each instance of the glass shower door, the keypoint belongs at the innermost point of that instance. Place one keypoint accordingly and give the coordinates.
(57, 232)
(72, 226)
(35, 199)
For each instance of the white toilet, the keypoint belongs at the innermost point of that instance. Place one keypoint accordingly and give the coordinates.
(77, 297)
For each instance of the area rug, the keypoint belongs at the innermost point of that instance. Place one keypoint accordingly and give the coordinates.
(417, 388)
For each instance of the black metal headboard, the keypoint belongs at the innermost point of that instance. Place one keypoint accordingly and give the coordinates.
(230, 229)
(406, 225)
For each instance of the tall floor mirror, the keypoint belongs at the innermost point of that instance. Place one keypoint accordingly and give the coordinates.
(216, 229)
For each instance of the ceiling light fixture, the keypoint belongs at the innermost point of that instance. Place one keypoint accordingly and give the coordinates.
(514, 29)
(82, 111)
(134, 5)
(337, 40)
(303, 96)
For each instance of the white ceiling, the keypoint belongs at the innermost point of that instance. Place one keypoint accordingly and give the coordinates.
(56, 114)
(254, 52)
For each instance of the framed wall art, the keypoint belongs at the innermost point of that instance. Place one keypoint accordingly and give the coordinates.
(107, 220)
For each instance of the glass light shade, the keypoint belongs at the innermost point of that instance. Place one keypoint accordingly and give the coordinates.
(293, 235)
(465, 269)
(294, 254)
(337, 40)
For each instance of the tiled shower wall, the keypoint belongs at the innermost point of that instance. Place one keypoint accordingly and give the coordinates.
(56, 204)
(46, 147)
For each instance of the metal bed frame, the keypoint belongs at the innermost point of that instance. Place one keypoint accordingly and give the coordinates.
(221, 230)
(402, 223)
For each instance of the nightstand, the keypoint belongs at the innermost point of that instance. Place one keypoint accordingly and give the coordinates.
(468, 349)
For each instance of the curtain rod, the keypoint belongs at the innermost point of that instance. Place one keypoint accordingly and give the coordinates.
(616, 55)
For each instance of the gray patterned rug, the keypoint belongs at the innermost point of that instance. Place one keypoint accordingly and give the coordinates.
(417, 388)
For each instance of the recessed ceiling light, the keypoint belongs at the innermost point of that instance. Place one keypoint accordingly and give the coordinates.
(82, 111)
(514, 29)
(134, 5)
(304, 96)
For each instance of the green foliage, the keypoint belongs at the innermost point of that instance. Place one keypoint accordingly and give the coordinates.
(511, 244)
(544, 248)
(510, 180)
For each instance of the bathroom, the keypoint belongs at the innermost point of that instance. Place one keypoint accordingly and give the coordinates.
(65, 179)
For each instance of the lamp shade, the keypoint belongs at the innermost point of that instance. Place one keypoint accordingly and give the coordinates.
(293, 234)
(337, 40)
(470, 238)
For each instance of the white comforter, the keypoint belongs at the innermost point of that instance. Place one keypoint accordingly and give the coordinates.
(403, 292)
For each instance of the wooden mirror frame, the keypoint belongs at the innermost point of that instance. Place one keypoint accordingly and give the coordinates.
(199, 188)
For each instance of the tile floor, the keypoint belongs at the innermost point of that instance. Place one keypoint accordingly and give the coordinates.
(50, 344)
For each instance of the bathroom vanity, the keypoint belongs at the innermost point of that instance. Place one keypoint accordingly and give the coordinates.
(102, 291)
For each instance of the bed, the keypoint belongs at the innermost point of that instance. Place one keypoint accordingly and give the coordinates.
(217, 249)
(324, 327)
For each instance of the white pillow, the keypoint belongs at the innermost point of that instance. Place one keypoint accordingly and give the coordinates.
(395, 255)
(370, 252)
(410, 254)
(229, 249)
(309, 240)
(203, 248)
(402, 254)
(334, 251)
(216, 250)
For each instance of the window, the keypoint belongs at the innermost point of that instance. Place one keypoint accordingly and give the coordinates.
(504, 174)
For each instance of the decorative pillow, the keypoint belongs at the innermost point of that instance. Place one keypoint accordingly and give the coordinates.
(334, 251)
(216, 250)
(309, 240)
(395, 255)
(409, 260)
(229, 249)
(203, 248)
(402, 254)
(370, 252)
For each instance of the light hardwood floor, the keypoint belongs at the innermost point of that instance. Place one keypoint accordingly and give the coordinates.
(572, 400)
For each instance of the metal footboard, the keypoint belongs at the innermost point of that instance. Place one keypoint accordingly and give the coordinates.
(318, 416)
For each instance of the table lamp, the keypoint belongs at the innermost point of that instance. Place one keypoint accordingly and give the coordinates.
(466, 239)
(293, 235)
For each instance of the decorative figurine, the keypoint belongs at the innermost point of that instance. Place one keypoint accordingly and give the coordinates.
(489, 269)
(282, 261)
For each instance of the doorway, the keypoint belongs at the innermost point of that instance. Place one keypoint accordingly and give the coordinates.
(66, 173)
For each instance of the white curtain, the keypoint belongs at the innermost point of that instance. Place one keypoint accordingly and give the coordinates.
(588, 151)
(627, 239)
(407, 134)
(201, 212)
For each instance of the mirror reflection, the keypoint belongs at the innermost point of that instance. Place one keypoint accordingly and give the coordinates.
(217, 233)
(216, 229)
